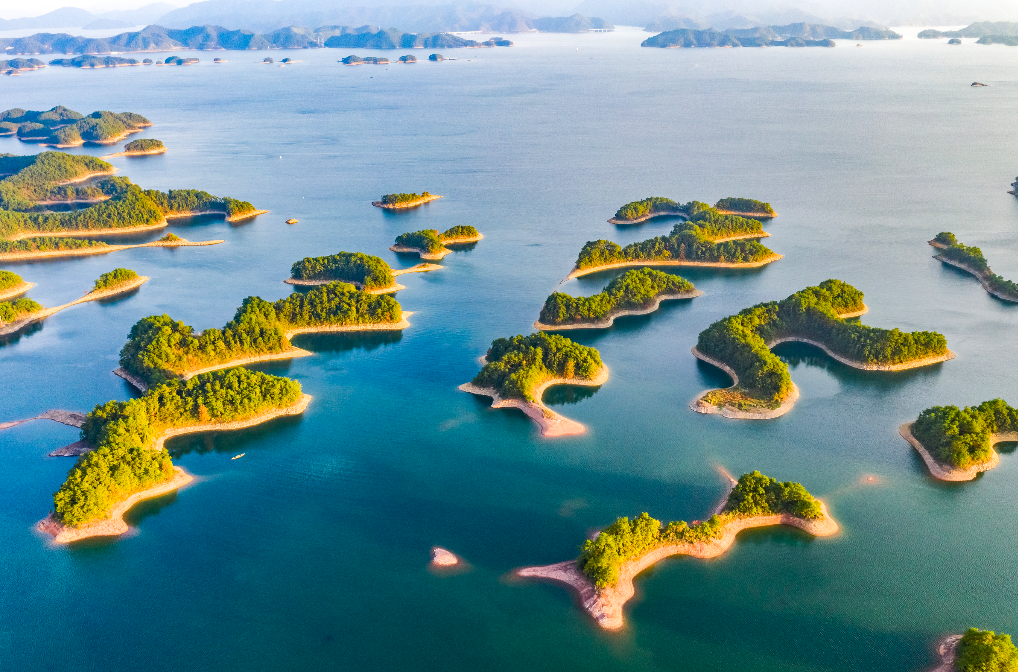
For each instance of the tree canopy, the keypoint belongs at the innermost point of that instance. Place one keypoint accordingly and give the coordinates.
(633, 289)
(12, 311)
(9, 280)
(370, 271)
(961, 437)
(986, 651)
(517, 366)
(117, 276)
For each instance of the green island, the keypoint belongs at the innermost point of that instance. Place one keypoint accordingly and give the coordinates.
(128, 457)
(16, 310)
(517, 370)
(707, 238)
(604, 572)
(91, 61)
(142, 147)
(353, 59)
(366, 271)
(971, 259)
(16, 65)
(430, 244)
(658, 206)
(403, 201)
(763, 389)
(160, 349)
(12, 284)
(957, 443)
(635, 292)
(114, 278)
(986, 651)
(64, 127)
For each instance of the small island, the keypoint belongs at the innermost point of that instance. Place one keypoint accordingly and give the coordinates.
(658, 206)
(44, 246)
(430, 244)
(127, 461)
(404, 201)
(160, 349)
(63, 127)
(11, 285)
(957, 444)
(977, 651)
(407, 59)
(518, 370)
(16, 66)
(91, 61)
(603, 574)
(178, 60)
(436, 57)
(636, 292)
(740, 345)
(971, 259)
(364, 60)
(142, 147)
(367, 272)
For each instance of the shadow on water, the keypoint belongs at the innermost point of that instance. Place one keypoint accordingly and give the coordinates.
(344, 342)
(560, 395)
(27, 330)
(234, 442)
(135, 515)
(625, 324)
(109, 301)
(794, 354)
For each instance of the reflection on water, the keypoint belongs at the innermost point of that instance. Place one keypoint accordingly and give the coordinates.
(346, 341)
(28, 330)
(559, 395)
(234, 442)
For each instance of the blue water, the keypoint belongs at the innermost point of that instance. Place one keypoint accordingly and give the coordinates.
(310, 553)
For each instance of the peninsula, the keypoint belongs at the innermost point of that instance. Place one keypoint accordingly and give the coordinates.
(603, 574)
(63, 127)
(518, 370)
(957, 444)
(128, 462)
(11, 285)
(142, 147)
(430, 244)
(16, 66)
(635, 292)
(160, 349)
(708, 238)
(91, 61)
(763, 389)
(977, 651)
(367, 272)
(658, 206)
(46, 247)
(404, 201)
(971, 259)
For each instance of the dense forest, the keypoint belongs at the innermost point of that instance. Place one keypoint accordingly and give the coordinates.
(632, 290)
(648, 206)
(624, 540)
(38, 178)
(370, 271)
(63, 126)
(986, 651)
(516, 366)
(91, 61)
(973, 258)
(143, 145)
(12, 311)
(117, 276)
(740, 341)
(431, 241)
(9, 280)
(398, 199)
(744, 205)
(45, 244)
(961, 436)
(160, 348)
(123, 433)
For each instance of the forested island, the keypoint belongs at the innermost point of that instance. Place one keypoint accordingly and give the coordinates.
(353, 59)
(12, 284)
(142, 147)
(971, 259)
(17, 65)
(91, 61)
(128, 461)
(659, 206)
(402, 201)
(707, 238)
(63, 127)
(430, 244)
(367, 272)
(603, 574)
(977, 651)
(518, 370)
(636, 292)
(957, 443)
(48, 246)
(160, 349)
(791, 35)
(740, 345)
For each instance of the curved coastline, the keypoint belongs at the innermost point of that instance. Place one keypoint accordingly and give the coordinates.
(947, 649)
(105, 249)
(752, 215)
(296, 408)
(123, 288)
(424, 254)
(609, 320)
(700, 406)
(550, 422)
(946, 472)
(606, 605)
(979, 276)
(15, 291)
(904, 366)
(652, 215)
(230, 218)
(394, 287)
(409, 204)
(579, 272)
(161, 150)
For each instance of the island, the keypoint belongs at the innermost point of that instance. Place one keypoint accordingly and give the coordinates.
(1014, 188)
(18, 314)
(142, 147)
(436, 57)
(367, 272)
(15, 66)
(93, 61)
(64, 127)
(957, 444)
(11, 284)
(658, 206)
(603, 574)
(636, 292)
(971, 259)
(178, 60)
(740, 345)
(160, 349)
(977, 651)
(404, 201)
(128, 462)
(430, 244)
(353, 59)
(407, 59)
(518, 370)
(954, 40)
(39, 247)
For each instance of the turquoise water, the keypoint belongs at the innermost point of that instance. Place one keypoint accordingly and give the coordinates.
(310, 553)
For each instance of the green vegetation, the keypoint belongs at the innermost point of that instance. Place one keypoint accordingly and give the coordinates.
(66, 127)
(431, 241)
(190, 201)
(9, 280)
(12, 311)
(632, 290)
(744, 205)
(161, 349)
(117, 276)
(961, 437)
(399, 199)
(649, 206)
(624, 540)
(986, 651)
(740, 341)
(370, 271)
(144, 145)
(170, 238)
(972, 257)
(39, 179)
(518, 365)
(123, 433)
(459, 232)
(45, 244)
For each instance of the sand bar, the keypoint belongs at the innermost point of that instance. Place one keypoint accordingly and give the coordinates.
(606, 604)
(579, 272)
(610, 318)
(122, 288)
(550, 422)
(17, 289)
(105, 249)
(409, 204)
(947, 472)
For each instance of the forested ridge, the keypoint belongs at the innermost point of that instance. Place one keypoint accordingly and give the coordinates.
(518, 365)
(632, 290)
(973, 258)
(370, 271)
(64, 126)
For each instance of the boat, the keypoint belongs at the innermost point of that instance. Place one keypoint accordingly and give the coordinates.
(237, 457)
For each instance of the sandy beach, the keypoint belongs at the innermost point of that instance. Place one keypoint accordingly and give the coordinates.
(16, 290)
(947, 472)
(409, 204)
(579, 272)
(606, 604)
(161, 150)
(610, 319)
(122, 288)
(550, 422)
(105, 249)
(644, 218)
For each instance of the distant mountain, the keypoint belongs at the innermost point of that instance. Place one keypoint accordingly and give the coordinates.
(73, 17)
(979, 29)
(793, 35)
(577, 23)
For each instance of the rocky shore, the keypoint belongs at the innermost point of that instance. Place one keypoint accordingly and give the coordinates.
(948, 472)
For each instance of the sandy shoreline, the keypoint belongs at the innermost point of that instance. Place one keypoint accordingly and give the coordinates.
(105, 249)
(394, 287)
(700, 406)
(904, 366)
(652, 215)
(550, 422)
(235, 218)
(122, 288)
(606, 605)
(342, 328)
(16, 290)
(296, 409)
(610, 319)
(752, 215)
(946, 472)
(579, 272)
(409, 204)
(982, 277)
(434, 256)
(161, 150)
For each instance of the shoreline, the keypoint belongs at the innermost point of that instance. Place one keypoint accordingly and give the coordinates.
(229, 218)
(550, 422)
(904, 366)
(946, 472)
(606, 605)
(142, 153)
(580, 272)
(87, 176)
(947, 649)
(751, 215)
(409, 204)
(85, 233)
(979, 276)
(643, 218)
(394, 287)
(610, 318)
(726, 411)
(16, 290)
(341, 328)
(123, 288)
(105, 249)
(435, 256)
(296, 408)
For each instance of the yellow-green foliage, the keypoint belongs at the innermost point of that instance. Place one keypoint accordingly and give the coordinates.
(12, 311)
(517, 365)
(631, 290)
(9, 280)
(986, 651)
(117, 276)
(961, 436)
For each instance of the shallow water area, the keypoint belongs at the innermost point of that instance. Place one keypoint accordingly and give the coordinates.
(311, 552)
